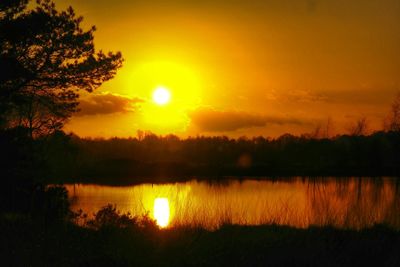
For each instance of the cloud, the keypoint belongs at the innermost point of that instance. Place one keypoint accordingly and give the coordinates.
(363, 96)
(305, 96)
(300, 96)
(210, 120)
(107, 103)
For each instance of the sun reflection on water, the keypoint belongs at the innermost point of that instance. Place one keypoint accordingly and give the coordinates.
(161, 211)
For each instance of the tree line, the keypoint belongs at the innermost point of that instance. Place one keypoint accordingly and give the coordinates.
(108, 160)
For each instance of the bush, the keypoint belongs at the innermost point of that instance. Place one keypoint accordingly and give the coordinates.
(109, 217)
(51, 203)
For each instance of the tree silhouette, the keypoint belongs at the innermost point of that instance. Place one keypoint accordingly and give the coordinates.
(46, 59)
(392, 122)
(360, 127)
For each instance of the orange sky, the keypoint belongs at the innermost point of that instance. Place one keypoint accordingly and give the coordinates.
(242, 67)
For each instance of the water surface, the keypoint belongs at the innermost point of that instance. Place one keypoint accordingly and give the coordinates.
(341, 202)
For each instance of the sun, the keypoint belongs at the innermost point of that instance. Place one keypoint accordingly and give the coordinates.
(161, 96)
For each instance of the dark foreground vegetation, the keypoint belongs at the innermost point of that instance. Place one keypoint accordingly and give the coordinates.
(119, 240)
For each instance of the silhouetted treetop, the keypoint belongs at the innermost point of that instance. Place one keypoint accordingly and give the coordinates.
(46, 58)
(10, 8)
(359, 127)
(392, 122)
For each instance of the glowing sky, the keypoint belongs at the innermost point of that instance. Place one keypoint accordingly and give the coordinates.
(242, 67)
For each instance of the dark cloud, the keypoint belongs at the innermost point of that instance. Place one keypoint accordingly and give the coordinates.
(363, 96)
(305, 96)
(301, 96)
(312, 5)
(107, 103)
(211, 120)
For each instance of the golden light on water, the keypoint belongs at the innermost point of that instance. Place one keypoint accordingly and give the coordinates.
(300, 203)
(161, 211)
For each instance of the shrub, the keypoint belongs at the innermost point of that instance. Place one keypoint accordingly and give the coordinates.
(109, 217)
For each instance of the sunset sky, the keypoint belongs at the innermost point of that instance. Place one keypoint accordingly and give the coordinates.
(262, 67)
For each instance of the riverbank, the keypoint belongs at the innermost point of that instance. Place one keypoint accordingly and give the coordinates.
(213, 179)
(125, 172)
(27, 243)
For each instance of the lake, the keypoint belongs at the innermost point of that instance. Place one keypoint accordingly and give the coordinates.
(353, 203)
